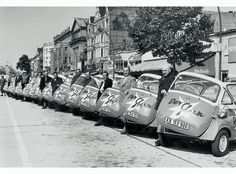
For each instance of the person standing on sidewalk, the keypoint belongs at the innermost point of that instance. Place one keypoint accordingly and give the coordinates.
(165, 82)
(164, 85)
(45, 79)
(55, 82)
(2, 84)
(106, 83)
(127, 82)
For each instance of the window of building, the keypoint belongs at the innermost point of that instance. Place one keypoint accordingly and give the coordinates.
(102, 37)
(107, 22)
(66, 48)
(125, 63)
(101, 52)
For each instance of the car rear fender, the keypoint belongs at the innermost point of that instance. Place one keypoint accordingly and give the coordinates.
(212, 131)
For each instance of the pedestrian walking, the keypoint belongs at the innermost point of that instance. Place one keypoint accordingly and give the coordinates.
(45, 79)
(106, 83)
(127, 82)
(2, 84)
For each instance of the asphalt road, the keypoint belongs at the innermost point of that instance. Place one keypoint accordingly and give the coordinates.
(35, 137)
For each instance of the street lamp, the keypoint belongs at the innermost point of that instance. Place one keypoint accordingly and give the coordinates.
(110, 41)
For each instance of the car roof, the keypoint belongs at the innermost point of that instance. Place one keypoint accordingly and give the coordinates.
(151, 75)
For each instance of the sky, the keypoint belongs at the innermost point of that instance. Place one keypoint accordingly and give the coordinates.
(24, 29)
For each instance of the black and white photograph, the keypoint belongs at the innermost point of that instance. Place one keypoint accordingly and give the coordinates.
(105, 85)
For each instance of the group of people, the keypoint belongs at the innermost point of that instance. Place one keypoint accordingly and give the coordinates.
(128, 81)
(168, 76)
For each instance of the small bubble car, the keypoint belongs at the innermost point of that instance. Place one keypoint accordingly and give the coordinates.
(60, 93)
(75, 91)
(108, 104)
(47, 91)
(88, 97)
(198, 108)
(27, 88)
(138, 105)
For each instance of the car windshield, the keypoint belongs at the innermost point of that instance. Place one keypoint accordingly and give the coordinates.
(232, 90)
(148, 84)
(80, 81)
(197, 86)
(95, 82)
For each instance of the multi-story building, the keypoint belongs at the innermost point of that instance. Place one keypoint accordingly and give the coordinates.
(47, 47)
(108, 35)
(228, 20)
(61, 56)
(37, 61)
(77, 49)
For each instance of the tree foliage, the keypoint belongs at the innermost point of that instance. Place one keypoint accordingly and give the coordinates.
(24, 64)
(179, 33)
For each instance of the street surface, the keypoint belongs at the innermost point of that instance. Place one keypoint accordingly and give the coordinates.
(33, 137)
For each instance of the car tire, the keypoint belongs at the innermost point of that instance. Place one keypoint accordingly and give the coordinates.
(164, 141)
(219, 146)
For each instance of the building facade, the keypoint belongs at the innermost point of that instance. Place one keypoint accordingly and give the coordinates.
(107, 35)
(228, 53)
(77, 49)
(37, 61)
(47, 48)
(60, 54)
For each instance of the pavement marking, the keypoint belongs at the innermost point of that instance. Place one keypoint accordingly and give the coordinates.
(19, 139)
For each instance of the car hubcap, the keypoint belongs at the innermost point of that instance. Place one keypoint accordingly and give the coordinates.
(223, 143)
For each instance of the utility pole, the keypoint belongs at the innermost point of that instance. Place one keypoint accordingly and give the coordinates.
(220, 42)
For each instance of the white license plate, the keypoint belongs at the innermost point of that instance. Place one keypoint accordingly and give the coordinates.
(177, 123)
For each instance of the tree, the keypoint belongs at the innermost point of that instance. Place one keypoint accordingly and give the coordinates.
(24, 64)
(178, 33)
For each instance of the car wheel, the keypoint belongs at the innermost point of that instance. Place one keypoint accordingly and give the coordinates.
(219, 147)
(164, 141)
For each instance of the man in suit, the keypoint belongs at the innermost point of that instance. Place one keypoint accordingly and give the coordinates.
(127, 82)
(43, 83)
(45, 79)
(165, 82)
(164, 85)
(106, 83)
(55, 82)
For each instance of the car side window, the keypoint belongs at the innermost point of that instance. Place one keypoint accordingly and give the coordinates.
(226, 100)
